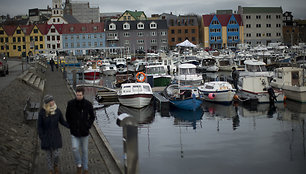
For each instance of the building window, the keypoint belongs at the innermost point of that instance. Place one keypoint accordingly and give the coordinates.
(95, 28)
(232, 29)
(78, 44)
(268, 34)
(66, 45)
(140, 34)
(278, 25)
(163, 41)
(48, 46)
(18, 31)
(126, 42)
(153, 33)
(19, 48)
(278, 16)
(172, 32)
(77, 37)
(84, 44)
(52, 30)
(53, 38)
(248, 17)
(248, 25)
(140, 41)
(192, 30)
(112, 26)
(58, 38)
(41, 46)
(35, 30)
(126, 26)
(268, 17)
(58, 45)
(71, 37)
(1, 32)
(89, 36)
(248, 35)
(258, 16)
(179, 31)
(140, 26)
(89, 44)
(84, 37)
(278, 34)
(258, 25)
(36, 38)
(101, 44)
(193, 39)
(153, 25)
(72, 45)
(96, 44)
(101, 35)
(173, 39)
(186, 31)
(14, 39)
(19, 39)
(232, 22)
(258, 43)
(268, 25)
(258, 34)
(58, 20)
(153, 41)
(214, 22)
(14, 47)
(126, 34)
(41, 38)
(163, 33)
(180, 39)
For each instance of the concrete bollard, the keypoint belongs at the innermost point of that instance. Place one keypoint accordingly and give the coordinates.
(130, 142)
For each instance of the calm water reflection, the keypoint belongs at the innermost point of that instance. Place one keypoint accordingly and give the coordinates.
(214, 139)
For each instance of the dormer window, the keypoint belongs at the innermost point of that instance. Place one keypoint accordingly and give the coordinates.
(153, 25)
(126, 26)
(71, 29)
(112, 26)
(140, 26)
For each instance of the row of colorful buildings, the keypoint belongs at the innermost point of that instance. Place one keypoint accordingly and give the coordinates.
(133, 31)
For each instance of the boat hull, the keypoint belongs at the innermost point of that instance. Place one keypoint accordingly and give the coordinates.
(263, 97)
(187, 104)
(135, 100)
(162, 81)
(225, 96)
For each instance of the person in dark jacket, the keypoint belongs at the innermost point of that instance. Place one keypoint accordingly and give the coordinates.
(52, 63)
(49, 133)
(80, 117)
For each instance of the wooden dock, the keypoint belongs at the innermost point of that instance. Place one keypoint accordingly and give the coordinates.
(162, 103)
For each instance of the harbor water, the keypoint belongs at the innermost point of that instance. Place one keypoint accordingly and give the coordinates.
(235, 138)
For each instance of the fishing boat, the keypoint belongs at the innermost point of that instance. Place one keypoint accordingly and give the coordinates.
(187, 75)
(291, 81)
(217, 91)
(136, 95)
(256, 87)
(183, 97)
(109, 70)
(255, 68)
(92, 75)
(159, 75)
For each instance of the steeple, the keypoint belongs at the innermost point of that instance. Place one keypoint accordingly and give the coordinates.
(57, 9)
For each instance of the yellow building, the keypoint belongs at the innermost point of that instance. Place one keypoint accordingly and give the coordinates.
(132, 16)
(21, 41)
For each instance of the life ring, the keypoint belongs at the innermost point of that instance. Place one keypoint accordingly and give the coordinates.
(99, 62)
(140, 80)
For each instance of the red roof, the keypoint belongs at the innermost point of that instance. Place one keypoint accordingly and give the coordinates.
(27, 28)
(89, 28)
(223, 19)
(9, 29)
(43, 28)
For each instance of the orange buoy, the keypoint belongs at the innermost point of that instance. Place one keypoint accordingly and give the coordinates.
(138, 77)
(236, 97)
(99, 62)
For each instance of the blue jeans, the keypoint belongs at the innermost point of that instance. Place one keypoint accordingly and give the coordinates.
(77, 143)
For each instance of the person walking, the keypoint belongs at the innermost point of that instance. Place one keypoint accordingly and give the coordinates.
(49, 134)
(80, 117)
(235, 77)
(52, 63)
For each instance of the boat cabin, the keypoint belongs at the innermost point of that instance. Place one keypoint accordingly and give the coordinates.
(290, 76)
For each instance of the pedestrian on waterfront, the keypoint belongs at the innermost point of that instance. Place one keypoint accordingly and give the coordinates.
(49, 134)
(80, 117)
(52, 63)
(235, 77)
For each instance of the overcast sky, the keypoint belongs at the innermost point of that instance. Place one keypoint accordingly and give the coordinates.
(298, 7)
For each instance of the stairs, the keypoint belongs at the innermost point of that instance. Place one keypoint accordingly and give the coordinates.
(33, 80)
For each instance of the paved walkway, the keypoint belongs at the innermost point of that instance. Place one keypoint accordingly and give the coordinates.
(98, 163)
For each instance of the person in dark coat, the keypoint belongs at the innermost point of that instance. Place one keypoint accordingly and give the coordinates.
(49, 133)
(52, 63)
(80, 117)
(235, 77)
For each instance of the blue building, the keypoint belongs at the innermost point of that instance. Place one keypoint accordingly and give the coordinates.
(81, 39)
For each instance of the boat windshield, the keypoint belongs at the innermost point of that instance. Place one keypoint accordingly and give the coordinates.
(224, 63)
(256, 68)
(155, 70)
(137, 88)
(188, 71)
(146, 89)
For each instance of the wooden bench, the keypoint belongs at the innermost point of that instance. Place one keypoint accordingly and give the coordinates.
(31, 110)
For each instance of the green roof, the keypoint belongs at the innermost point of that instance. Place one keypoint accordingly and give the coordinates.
(136, 14)
(262, 10)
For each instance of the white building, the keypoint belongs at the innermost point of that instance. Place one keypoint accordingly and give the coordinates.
(57, 13)
(262, 25)
(53, 38)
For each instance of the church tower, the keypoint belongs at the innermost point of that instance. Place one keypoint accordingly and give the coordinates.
(57, 9)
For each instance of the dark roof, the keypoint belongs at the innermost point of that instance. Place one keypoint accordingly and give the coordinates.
(89, 28)
(70, 19)
(223, 19)
(161, 24)
(262, 10)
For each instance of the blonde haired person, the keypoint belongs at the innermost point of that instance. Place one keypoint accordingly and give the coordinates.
(50, 136)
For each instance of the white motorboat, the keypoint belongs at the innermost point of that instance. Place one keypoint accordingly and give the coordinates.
(187, 75)
(136, 95)
(109, 70)
(226, 64)
(255, 68)
(256, 87)
(208, 65)
(161, 78)
(217, 91)
(291, 81)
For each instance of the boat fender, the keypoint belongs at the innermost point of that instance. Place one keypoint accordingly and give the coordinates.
(211, 96)
(140, 79)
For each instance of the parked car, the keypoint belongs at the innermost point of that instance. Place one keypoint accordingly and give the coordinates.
(3, 65)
